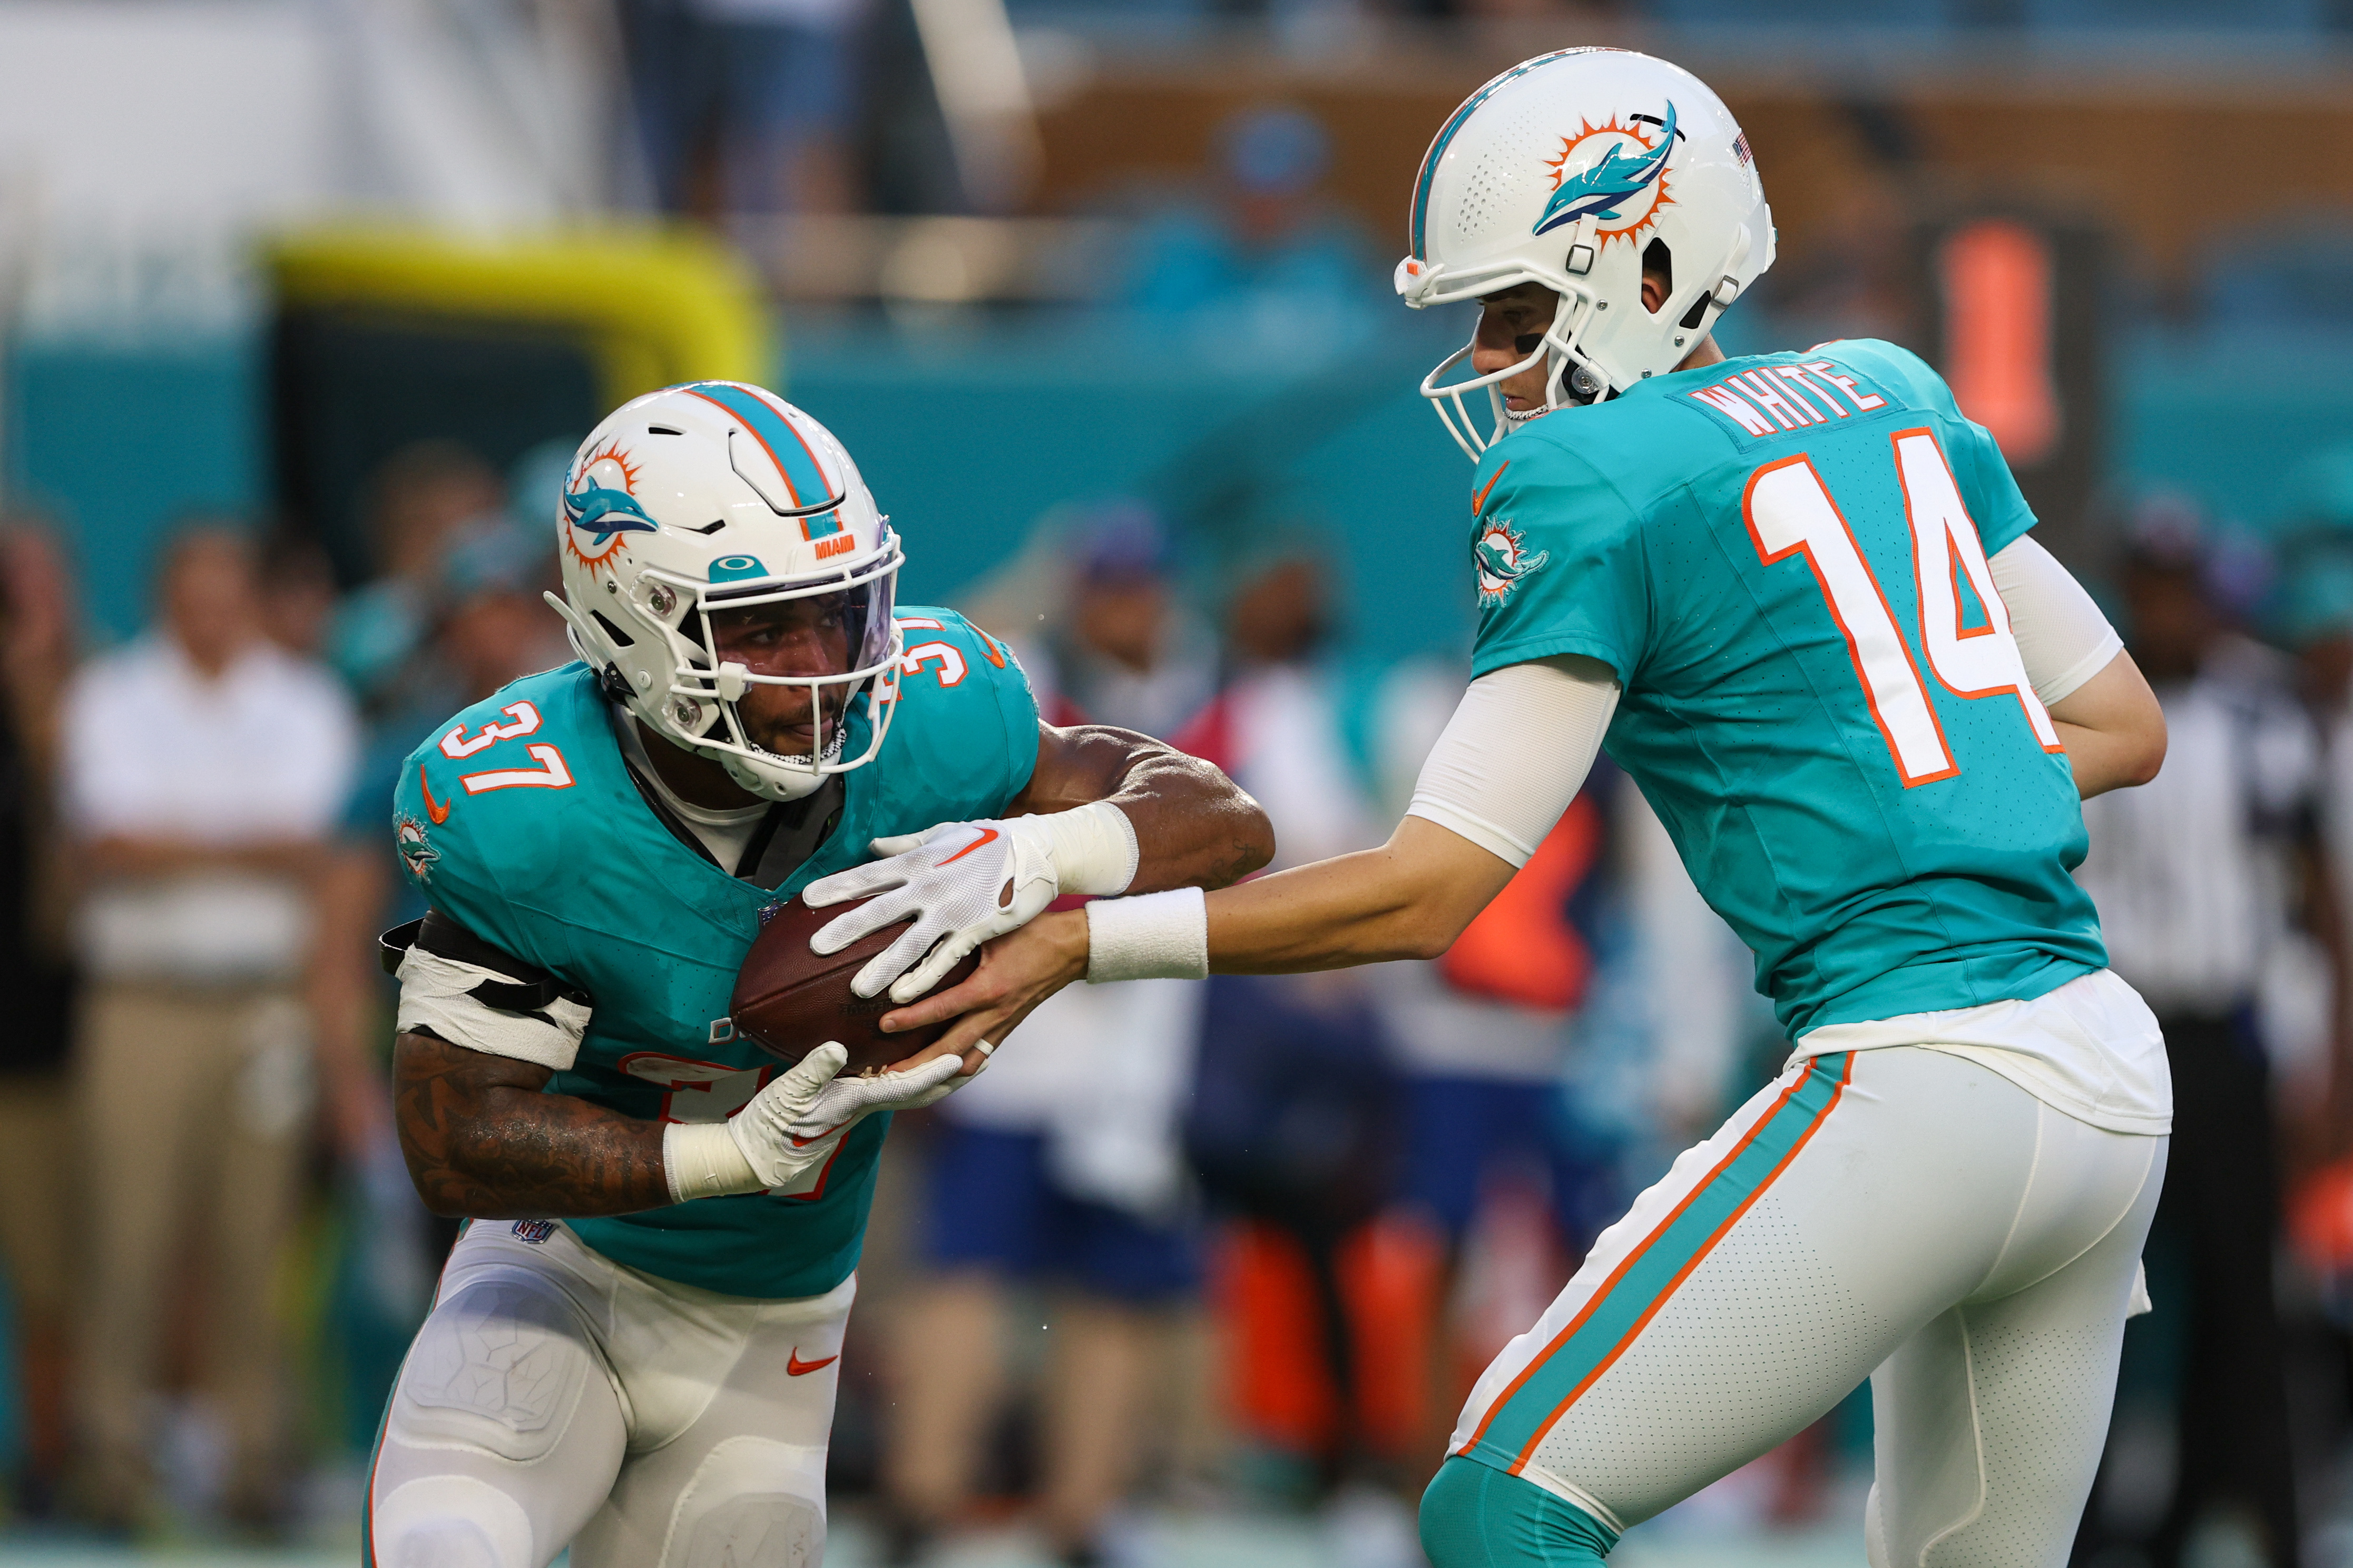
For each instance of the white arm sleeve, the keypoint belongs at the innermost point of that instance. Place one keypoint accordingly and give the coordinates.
(437, 995)
(2062, 639)
(1516, 753)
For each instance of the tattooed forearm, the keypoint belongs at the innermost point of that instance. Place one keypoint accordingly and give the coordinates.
(483, 1139)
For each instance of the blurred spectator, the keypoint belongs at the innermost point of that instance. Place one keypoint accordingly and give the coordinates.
(1117, 646)
(1060, 1166)
(2194, 875)
(744, 106)
(201, 775)
(1063, 1175)
(37, 654)
(1271, 256)
(487, 626)
(298, 594)
(420, 498)
(1295, 1122)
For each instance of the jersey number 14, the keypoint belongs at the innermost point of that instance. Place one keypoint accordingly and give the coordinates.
(1790, 512)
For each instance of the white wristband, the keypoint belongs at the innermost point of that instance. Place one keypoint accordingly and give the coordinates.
(700, 1160)
(1158, 936)
(1094, 848)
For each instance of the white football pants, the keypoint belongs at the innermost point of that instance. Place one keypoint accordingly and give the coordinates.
(555, 1397)
(1894, 1213)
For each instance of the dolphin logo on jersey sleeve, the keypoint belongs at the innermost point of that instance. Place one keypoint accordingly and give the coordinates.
(1500, 559)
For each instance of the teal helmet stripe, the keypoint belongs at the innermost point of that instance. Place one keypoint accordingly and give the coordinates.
(1446, 134)
(804, 477)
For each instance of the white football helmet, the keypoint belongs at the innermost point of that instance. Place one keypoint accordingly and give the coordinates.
(1563, 171)
(710, 500)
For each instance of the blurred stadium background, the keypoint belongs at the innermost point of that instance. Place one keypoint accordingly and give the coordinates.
(1098, 295)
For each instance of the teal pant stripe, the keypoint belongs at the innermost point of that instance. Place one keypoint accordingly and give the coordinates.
(1475, 1516)
(1628, 1300)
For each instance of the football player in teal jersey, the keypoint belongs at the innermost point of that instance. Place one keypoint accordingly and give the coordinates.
(634, 1348)
(1795, 597)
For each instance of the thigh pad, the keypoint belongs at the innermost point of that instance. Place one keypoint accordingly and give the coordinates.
(499, 1366)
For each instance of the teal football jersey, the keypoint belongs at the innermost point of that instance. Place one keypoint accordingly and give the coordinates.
(519, 821)
(1783, 558)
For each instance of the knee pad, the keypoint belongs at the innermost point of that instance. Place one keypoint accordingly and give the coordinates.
(497, 1367)
(734, 1514)
(449, 1521)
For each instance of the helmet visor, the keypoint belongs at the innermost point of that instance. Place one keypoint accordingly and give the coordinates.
(789, 663)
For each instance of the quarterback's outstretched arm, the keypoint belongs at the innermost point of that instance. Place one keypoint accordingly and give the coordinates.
(1513, 757)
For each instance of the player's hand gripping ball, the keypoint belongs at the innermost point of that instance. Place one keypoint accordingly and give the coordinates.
(789, 1000)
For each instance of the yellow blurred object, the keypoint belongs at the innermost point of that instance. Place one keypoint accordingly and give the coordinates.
(656, 307)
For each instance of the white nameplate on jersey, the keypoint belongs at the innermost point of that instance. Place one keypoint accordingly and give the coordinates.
(1773, 399)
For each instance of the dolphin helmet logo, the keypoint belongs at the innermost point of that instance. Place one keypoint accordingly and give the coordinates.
(1630, 171)
(600, 504)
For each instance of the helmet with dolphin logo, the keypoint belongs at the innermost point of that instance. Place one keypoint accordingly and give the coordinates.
(1566, 171)
(697, 508)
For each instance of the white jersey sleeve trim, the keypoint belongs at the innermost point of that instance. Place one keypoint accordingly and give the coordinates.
(2062, 639)
(1516, 753)
(437, 996)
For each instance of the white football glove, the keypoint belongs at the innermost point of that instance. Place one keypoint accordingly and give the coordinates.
(794, 1124)
(966, 882)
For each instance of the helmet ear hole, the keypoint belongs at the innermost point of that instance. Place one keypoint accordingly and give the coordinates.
(1659, 266)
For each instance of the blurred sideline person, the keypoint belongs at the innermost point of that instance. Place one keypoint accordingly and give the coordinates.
(767, 87)
(634, 1351)
(1795, 594)
(1272, 249)
(1061, 1169)
(1297, 1157)
(419, 499)
(202, 774)
(488, 626)
(37, 617)
(2196, 877)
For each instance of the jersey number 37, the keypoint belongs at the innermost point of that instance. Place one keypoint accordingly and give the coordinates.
(1790, 512)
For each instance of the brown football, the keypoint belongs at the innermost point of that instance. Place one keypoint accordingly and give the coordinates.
(790, 1001)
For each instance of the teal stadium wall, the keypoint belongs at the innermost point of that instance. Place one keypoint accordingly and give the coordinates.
(968, 432)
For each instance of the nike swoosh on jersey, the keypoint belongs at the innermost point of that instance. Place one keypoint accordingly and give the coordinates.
(795, 1367)
(988, 835)
(437, 810)
(1479, 501)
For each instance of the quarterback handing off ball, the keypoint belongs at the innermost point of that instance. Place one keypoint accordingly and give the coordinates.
(790, 1001)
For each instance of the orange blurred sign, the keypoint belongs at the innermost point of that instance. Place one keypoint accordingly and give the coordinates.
(1996, 277)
